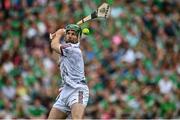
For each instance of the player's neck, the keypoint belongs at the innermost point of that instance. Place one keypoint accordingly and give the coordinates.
(72, 42)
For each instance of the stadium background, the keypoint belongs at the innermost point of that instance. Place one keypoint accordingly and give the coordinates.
(132, 60)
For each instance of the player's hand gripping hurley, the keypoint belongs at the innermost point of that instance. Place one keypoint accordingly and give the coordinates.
(103, 11)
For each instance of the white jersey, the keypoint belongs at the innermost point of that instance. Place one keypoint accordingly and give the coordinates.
(72, 65)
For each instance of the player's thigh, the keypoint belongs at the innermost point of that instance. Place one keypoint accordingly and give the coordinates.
(77, 111)
(56, 114)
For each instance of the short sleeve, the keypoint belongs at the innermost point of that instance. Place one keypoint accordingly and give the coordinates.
(65, 49)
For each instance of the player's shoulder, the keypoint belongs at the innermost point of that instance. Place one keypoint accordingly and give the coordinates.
(71, 49)
(70, 45)
(64, 46)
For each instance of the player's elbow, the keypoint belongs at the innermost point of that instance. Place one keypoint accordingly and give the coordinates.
(52, 44)
(55, 46)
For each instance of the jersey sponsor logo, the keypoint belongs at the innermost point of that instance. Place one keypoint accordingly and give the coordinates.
(80, 97)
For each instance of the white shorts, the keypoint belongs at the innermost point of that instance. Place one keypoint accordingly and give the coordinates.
(69, 96)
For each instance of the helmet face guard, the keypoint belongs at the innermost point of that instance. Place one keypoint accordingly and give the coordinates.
(75, 28)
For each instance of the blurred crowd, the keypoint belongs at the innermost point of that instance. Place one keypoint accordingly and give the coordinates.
(132, 59)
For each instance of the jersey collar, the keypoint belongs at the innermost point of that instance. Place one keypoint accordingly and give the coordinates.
(75, 45)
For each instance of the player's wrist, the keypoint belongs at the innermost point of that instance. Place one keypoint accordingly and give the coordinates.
(58, 36)
(61, 32)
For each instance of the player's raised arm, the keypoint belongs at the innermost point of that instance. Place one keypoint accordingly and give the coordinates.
(55, 45)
